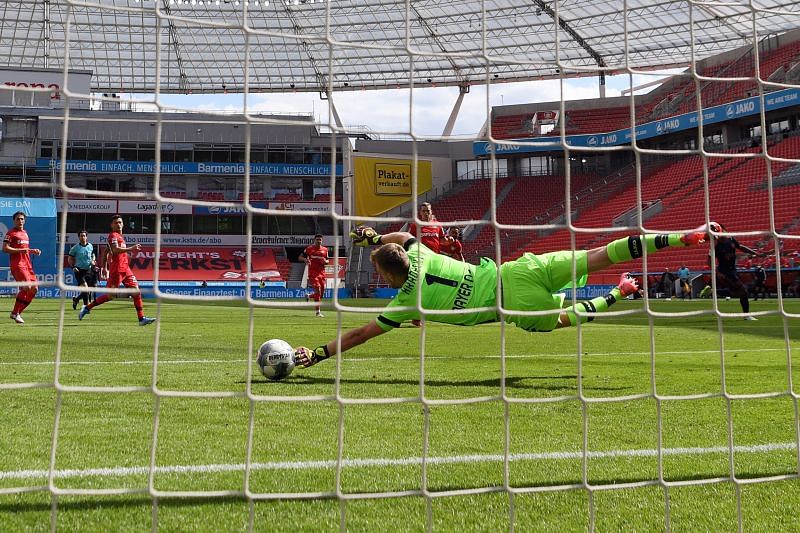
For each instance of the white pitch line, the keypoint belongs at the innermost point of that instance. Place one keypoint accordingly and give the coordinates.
(409, 461)
(149, 362)
(379, 358)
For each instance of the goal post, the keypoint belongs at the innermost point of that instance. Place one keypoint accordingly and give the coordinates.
(662, 413)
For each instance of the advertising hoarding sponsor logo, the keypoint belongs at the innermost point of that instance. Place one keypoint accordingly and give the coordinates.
(88, 206)
(392, 179)
(305, 206)
(166, 208)
(149, 167)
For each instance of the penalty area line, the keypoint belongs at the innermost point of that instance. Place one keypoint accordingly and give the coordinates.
(408, 461)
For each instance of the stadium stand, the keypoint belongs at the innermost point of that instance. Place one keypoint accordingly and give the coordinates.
(511, 126)
(673, 97)
(738, 194)
(597, 120)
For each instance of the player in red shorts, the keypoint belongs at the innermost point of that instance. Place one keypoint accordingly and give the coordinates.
(316, 257)
(428, 235)
(451, 245)
(119, 272)
(17, 245)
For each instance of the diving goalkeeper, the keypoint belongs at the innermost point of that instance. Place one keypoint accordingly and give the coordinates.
(528, 284)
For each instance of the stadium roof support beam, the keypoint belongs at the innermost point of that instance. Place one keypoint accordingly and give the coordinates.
(298, 30)
(183, 79)
(544, 8)
(451, 122)
(47, 33)
(334, 112)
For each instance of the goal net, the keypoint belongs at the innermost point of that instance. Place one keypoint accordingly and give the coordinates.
(557, 127)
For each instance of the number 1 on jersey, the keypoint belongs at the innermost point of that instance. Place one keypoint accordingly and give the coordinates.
(430, 279)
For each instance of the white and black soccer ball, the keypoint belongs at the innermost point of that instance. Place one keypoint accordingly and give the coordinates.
(275, 359)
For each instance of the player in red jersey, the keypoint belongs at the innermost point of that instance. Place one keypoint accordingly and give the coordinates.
(316, 257)
(451, 245)
(17, 245)
(430, 236)
(119, 272)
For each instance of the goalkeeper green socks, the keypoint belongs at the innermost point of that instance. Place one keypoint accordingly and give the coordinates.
(632, 247)
(595, 305)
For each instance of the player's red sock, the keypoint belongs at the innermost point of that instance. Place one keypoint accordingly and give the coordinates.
(100, 300)
(24, 299)
(17, 305)
(137, 303)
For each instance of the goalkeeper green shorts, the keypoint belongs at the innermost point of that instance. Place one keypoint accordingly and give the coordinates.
(530, 281)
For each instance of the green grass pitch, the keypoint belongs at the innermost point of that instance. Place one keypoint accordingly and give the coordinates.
(581, 417)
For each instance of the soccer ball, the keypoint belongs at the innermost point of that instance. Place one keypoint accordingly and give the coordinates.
(276, 359)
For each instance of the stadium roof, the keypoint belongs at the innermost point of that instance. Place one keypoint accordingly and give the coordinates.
(303, 45)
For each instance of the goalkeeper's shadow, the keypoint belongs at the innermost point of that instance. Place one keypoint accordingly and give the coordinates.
(543, 383)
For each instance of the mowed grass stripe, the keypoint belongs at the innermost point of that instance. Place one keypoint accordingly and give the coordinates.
(378, 462)
(374, 358)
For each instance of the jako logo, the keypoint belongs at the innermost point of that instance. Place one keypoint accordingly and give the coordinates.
(729, 111)
(592, 141)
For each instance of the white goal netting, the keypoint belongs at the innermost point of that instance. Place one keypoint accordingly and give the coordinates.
(592, 121)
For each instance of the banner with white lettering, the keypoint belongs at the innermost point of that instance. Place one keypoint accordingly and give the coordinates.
(40, 225)
(149, 167)
(207, 264)
(183, 239)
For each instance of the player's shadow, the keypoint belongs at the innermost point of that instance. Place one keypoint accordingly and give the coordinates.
(93, 503)
(547, 383)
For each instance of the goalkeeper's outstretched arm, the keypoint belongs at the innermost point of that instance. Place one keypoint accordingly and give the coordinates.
(366, 236)
(362, 236)
(307, 357)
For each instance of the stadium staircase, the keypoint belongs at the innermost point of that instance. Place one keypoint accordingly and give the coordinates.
(293, 275)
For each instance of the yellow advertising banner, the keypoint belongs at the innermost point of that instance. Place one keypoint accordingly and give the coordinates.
(382, 184)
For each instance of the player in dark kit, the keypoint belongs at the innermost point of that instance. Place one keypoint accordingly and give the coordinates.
(119, 272)
(84, 266)
(759, 283)
(17, 244)
(316, 257)
(727, 275)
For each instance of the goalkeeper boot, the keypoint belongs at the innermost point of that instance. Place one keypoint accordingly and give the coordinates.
(83, 312)
(146, 320)
(699, 235)
(627, 284)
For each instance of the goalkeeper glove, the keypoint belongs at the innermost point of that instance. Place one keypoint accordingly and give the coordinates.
(306, 357)
(365, 236)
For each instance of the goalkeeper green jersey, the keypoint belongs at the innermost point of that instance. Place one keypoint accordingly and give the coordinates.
(443, 283)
